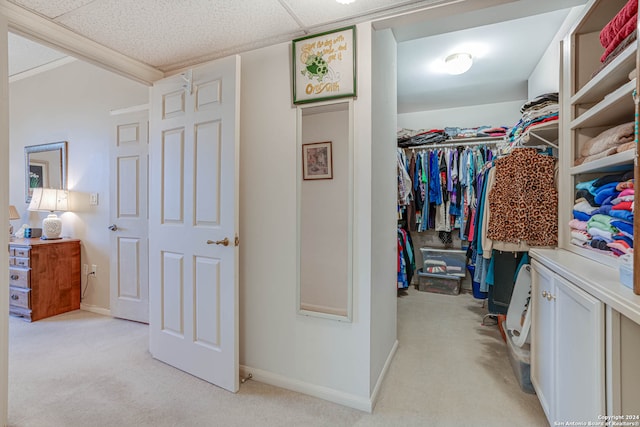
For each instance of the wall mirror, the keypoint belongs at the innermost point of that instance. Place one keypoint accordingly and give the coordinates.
(325, 210)
(45, 166)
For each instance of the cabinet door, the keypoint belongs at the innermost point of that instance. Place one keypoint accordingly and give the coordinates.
(542, 336)
(579, 344)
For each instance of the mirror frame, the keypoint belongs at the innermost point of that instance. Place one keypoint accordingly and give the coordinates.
(347, 106)
(54, 146)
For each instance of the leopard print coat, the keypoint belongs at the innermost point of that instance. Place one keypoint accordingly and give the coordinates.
(523, 203)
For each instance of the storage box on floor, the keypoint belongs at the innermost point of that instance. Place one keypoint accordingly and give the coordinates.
(442, 270)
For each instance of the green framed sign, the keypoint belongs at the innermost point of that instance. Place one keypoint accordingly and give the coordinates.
(324, 66)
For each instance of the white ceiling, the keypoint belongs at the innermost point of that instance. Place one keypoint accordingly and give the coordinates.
(505, 55)
(172, 34)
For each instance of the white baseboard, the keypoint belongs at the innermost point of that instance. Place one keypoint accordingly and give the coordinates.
(95, 309)
(326, 393)
(383, 373)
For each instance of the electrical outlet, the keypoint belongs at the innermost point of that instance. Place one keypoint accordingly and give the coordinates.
(85, 269)
(94, 269)
(93, 199)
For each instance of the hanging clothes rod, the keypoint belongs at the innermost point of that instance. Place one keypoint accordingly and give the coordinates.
(473, 141)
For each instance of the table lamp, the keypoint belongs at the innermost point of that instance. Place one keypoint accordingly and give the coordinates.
(13, 214)
(50, 199)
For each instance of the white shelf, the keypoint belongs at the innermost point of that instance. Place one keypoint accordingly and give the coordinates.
(614, 109)
(616, 162)
(608, 79)
(545, 132)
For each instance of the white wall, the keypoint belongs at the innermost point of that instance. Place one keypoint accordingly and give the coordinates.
(498, 114)
(545, 77)
(72, 103)
(323, 357)
(384, 245)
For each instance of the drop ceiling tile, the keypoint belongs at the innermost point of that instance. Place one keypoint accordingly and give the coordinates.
(51, 9)
(164, 32)
(315, 13)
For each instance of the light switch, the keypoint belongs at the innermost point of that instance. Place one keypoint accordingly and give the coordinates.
(93, 199)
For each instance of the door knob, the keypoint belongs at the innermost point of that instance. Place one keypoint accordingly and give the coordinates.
(224, 242)
(113, 227)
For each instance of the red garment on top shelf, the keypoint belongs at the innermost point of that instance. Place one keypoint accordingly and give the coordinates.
(619, 28)
(608, 35)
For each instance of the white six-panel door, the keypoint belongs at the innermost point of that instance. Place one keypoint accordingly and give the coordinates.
(193, 222)
(129, 163)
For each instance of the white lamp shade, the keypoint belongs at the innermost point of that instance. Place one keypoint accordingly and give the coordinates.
(50, 199)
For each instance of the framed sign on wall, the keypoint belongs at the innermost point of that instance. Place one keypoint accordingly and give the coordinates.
(324, 66)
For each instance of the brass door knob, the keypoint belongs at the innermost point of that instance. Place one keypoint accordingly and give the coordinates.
(224, 242)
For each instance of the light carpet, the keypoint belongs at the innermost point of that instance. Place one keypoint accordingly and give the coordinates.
(83, 369)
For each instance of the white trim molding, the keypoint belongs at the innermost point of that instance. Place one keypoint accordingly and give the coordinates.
(326, 393)
(95, 309)
(383, 374)
(47, 32)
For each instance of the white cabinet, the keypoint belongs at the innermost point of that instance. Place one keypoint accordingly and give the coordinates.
(579, 343)
(567, 348)
(542, 342)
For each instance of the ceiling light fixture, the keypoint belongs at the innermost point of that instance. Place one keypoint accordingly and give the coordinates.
(458, 63)
(345, 1)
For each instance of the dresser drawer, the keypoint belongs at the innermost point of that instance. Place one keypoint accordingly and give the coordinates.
(20, 262)
(21, 252)
(19, 297)
(19, 277)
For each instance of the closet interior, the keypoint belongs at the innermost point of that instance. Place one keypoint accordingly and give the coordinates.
(536, 216)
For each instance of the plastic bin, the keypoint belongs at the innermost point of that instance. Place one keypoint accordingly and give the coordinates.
(475, 286)
(520, 359)
(438, 283)
(444, 261)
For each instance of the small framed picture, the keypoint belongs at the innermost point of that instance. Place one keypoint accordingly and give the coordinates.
(317, 161)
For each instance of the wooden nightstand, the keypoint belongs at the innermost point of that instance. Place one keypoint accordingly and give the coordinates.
(44, 277)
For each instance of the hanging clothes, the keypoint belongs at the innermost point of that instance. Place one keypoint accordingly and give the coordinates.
(436, 187)
(406, 259)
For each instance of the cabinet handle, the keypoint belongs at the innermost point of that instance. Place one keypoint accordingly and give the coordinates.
(550, 297)
(14, 277)
(14, 297)
(544, 294)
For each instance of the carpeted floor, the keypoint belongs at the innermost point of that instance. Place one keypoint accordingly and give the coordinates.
(82, 369)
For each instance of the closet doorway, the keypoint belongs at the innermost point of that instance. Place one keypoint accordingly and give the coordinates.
(440, 110)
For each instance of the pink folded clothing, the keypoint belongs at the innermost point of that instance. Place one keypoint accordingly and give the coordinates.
(613, 27)
(621, 245)
(576, 224)
(626, 192)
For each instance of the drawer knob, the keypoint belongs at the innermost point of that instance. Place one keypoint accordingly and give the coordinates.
(14, 297)
(14, 277)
